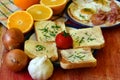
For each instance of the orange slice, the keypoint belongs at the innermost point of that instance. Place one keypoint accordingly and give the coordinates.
(21, 20)
(56, 5)
(40, 12)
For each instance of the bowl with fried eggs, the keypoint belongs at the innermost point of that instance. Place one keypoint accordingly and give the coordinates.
(89, 13)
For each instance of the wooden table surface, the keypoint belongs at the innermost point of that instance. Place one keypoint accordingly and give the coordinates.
(108, 63)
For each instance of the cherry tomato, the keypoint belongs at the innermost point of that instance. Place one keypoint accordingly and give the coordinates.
(64, 40)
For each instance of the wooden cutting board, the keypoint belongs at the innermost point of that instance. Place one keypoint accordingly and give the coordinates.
(108, 63)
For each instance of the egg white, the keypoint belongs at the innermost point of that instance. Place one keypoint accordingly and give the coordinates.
(83, 16)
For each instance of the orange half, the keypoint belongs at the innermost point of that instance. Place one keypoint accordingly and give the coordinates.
(56, 5)
(53, 3)
(40, 12)
(21, 20)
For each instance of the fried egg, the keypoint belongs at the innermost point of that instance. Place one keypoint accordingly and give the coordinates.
(84, 9)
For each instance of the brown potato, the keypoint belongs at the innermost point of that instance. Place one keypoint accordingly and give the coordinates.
(16, 60)
(13, 39)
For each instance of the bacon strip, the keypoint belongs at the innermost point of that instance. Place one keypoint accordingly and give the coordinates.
(112, 16)
(98, 19)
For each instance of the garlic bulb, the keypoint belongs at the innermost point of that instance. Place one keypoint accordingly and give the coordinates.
(40, 68)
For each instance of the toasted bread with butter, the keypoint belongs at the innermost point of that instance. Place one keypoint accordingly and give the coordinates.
(46, 31)
(88, 37)
(34, 48)
(77, 58)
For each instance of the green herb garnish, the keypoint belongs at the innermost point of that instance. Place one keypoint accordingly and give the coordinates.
(82, 40)
(90, 38)
(52, 33)
(83, 17)
(77, 56)
(45, 29)
(48, 33)
(55, 27)
(39, 47)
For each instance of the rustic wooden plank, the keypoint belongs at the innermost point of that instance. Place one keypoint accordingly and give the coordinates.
(108, 62)
(2, 30)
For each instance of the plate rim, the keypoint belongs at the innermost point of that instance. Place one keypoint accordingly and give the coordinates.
(72, 19)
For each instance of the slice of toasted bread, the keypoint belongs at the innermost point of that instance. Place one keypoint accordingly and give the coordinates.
(46, 31)
(77, 58)
(88, 37)
(35, 48)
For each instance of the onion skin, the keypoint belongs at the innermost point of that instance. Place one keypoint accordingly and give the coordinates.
(13, 39)
(16, 60)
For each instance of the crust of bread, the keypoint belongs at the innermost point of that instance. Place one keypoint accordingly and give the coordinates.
(65, 64)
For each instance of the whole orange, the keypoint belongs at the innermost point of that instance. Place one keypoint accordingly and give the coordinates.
(24, 4)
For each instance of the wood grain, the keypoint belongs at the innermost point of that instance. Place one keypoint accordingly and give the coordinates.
(108, 62)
